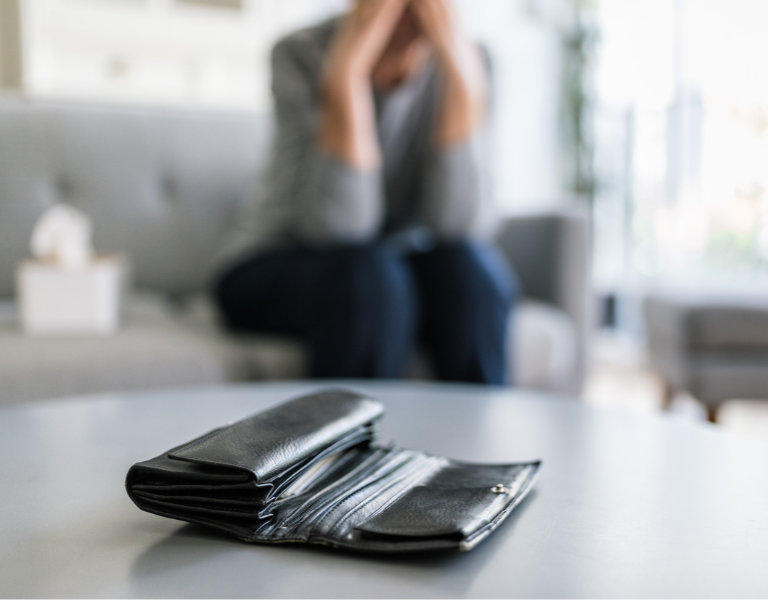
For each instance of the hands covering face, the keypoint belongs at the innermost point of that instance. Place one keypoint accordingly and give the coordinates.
(437, 23)
(382, 42)
(376, 26)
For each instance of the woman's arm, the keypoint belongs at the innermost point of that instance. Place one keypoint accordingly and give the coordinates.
(456, 199)
(347, 127)
(316, 197)
(464, 101)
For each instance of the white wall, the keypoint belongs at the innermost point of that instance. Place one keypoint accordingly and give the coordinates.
(524, 38)
(158, 51)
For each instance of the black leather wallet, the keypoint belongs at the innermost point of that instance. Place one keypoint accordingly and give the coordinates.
(307, 471)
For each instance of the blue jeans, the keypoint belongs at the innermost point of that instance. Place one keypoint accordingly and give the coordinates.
(361, 308)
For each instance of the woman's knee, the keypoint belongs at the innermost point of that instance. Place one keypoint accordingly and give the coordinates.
(369, 280)
(473, 269)
(365, 321)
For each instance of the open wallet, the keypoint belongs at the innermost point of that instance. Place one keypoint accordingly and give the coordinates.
(308, 471)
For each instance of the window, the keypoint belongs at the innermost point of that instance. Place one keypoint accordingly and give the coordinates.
(682, 142)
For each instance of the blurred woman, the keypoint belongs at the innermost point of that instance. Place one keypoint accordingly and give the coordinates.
(370, 235)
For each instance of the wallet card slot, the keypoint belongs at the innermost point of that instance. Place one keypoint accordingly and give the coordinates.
(317, 471)
(362, 436)
(305, 507)
(381, 493)
(393, 467)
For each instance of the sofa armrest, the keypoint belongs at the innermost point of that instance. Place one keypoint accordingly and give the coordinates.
(551, 254)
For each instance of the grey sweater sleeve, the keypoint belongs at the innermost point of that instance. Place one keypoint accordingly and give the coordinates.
(456, 196)
(457, 199)
(328, 200)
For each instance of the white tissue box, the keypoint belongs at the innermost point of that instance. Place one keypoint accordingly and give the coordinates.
(54, 300)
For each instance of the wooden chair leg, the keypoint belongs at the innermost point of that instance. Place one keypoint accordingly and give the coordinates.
(712, 410)
(667, 396)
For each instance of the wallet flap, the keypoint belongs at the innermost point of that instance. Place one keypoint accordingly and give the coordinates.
(270, 442)
(456, 500)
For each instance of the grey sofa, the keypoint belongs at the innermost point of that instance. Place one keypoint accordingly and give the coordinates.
(713, 346)
(162, 187)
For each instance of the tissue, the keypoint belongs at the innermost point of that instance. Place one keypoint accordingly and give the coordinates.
(62, 236)
(66, 289)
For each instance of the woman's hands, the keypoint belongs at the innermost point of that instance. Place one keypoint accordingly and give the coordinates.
(362, 37)
(437, 24)
(465, 94)
(347, 127)
(347, 120)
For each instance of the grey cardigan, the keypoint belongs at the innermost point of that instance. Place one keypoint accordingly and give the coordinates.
(313, 198)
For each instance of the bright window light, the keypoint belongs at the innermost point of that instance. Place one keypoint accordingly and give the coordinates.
(682, 141)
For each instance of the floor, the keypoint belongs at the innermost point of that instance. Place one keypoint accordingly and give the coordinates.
(620, 377)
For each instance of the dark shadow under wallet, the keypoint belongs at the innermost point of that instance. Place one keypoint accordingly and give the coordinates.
(307, 471)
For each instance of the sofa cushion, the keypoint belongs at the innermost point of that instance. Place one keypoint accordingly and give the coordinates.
(713, 346)
(268, 357)
(152, 349)
(728, 326)
(718, 376)
(162, 345)
(707, 323)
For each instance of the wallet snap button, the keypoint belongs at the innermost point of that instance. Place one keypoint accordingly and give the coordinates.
(499, 489)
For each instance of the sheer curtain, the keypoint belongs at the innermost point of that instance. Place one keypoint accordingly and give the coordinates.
(681, 144)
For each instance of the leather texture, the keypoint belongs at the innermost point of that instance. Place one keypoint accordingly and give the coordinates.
(242, 479)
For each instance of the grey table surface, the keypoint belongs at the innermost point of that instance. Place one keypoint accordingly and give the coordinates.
(627, 505)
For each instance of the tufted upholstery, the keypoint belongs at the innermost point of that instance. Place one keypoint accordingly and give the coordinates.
(160, 186)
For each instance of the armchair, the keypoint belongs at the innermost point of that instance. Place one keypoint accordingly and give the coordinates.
(715, 347)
